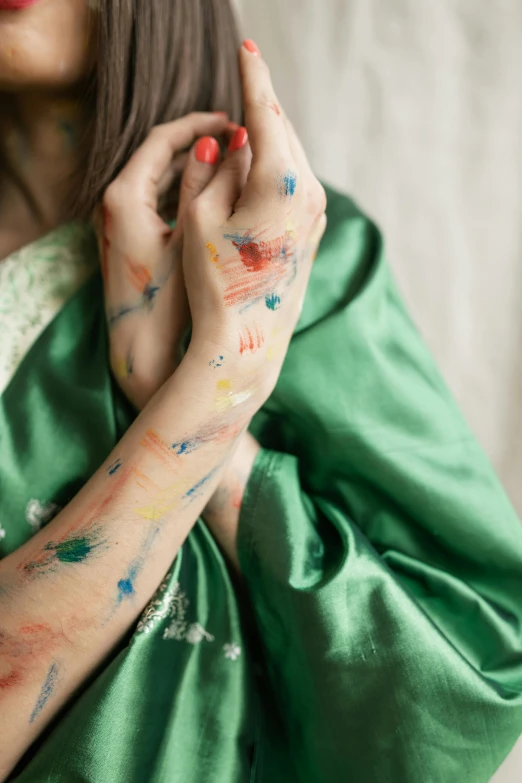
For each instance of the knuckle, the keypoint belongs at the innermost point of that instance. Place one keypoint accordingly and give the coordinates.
(318, 196)
(157, 131)
(114, 196)
(260, 100)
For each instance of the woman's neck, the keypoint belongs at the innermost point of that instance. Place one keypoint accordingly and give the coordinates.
(39, 155)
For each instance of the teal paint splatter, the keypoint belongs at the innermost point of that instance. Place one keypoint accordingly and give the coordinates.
(288, 184)
(215, 363)
(46, 692)
(273, 302)
(76, 548)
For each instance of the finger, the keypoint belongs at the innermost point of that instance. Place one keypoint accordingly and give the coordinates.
(225, 189)
(147, 166)
(296, 147)
(263, 119)
(202, 164)
(172, 172)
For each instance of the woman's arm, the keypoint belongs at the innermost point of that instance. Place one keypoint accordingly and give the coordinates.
(223, 510)
(70, 594)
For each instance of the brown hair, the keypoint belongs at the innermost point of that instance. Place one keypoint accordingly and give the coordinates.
(157, 60)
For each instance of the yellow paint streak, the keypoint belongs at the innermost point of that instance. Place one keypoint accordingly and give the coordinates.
(274, 351)
(224, 385)
(120, 368)
(291, 231)
(231, 400)
(213, 253)
(161, 503)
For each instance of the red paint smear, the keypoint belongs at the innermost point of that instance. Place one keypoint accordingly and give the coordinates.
(14, 677)
(138, 274)
(237, 501)
(257, 270)
(259, 255)
(250, 340)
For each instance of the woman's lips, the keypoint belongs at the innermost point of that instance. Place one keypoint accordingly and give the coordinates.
(16, 5)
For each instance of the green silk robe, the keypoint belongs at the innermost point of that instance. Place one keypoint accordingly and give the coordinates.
(379, 638)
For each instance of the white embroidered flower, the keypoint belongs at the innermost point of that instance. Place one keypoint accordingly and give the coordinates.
(176, 630)
(196, 633)
(37, 515)
(173, 603)
(2, 533)
(232, 651)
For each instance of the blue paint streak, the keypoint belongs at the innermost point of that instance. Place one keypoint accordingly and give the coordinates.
(114, 467)
(273, 301)
(149, 294)
(125, 587)
(113, 318)
(186, 446)
(191, 494)
(288, 184)
(46, 692)
(238, 240)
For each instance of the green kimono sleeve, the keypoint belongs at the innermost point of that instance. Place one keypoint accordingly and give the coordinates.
(382, 558)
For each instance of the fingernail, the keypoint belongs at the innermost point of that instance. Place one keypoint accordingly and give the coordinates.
(207, 150)
(238, 140)
(221, 113)
(252, 47)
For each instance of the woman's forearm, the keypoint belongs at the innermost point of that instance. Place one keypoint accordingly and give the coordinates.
(223, 510)
(71, 592)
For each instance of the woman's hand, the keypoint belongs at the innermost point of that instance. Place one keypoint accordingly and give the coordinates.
(146, 304)
(249, 240)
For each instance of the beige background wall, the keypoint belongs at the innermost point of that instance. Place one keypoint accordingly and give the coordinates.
(414, 107)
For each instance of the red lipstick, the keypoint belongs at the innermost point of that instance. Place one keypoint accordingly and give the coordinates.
(16, 5)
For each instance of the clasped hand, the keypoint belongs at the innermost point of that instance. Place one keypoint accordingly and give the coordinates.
(237, 263)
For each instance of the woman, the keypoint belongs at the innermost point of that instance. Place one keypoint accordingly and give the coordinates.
(348, 607)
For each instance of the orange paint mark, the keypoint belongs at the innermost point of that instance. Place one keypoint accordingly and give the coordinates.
(213, 253)
(138, 274)
(145, 482)
(275, 108)
(250, 340)
(156, 446)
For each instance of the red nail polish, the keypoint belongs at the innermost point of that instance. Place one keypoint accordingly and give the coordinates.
(239, 139)
(252, 47)
(207, 150)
